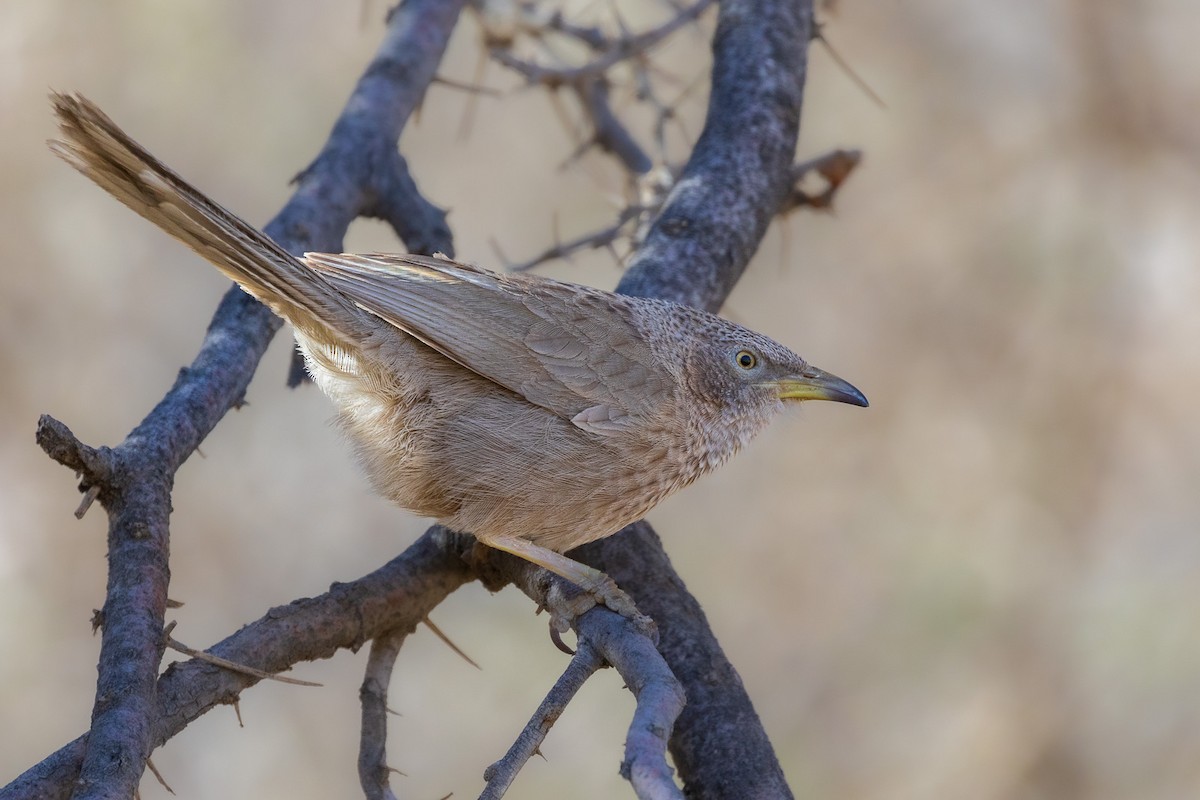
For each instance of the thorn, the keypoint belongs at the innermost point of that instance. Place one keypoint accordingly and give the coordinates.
(233, 666)
(157, 774)
(438, 632)
(468, 117)
(495, 245)
(462, 86)
(237, 709)
(819, 35)
(556, 637)
(89, 497)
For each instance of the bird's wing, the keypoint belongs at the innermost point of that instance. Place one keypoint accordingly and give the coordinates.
(565, 348)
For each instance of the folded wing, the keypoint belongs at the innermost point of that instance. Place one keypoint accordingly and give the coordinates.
(571, 350)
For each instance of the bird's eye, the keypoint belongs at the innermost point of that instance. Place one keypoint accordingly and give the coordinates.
(745, 359)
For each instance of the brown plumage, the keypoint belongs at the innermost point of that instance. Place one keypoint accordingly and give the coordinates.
(535, 414)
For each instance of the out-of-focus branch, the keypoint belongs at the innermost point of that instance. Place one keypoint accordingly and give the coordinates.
(612, 51)
(359, 172)
(609, 133)
(589, 241)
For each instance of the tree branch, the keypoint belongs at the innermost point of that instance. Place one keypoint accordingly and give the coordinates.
(373, 769)
(396, 597)
(499, 776)
(137, 476)
(612, 52)
(611, 638)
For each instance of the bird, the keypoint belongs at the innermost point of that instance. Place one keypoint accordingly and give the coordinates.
(535, 414)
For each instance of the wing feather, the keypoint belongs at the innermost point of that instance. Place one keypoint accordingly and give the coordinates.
(563, 347)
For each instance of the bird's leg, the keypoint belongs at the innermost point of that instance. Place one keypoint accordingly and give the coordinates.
(597, 587)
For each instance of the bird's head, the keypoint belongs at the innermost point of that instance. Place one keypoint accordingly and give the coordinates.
(746, 378)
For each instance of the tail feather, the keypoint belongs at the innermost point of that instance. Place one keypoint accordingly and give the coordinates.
(94, 145)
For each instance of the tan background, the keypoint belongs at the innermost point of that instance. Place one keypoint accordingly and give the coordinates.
(985, 586)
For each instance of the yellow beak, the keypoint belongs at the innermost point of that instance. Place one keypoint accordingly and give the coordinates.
(816, 384)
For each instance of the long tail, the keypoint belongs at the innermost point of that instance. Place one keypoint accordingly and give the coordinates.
(94, 145)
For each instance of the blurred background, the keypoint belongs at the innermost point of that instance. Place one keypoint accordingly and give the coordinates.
(986, 585)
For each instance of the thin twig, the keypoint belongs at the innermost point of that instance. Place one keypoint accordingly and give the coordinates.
(611, 639)
(616, 51)
(373, 770)
(500, 775)
(89, 497)
(600, 238)
(855, 78)
(469, 88)
(608, 131)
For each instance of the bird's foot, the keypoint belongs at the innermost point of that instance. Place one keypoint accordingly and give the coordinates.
(567, 602)
(587, 587)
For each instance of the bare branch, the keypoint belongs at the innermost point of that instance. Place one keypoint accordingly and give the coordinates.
(618, 641)
(397, 596)
(660, 700)
(499, 776)
(614, 52)
(609, 133)
(589, 241)
(373, 770)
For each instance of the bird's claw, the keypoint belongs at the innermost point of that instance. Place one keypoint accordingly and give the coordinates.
(567, 602)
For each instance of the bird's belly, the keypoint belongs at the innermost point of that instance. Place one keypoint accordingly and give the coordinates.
(541, 478)
(388, 407)
(443, 442)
